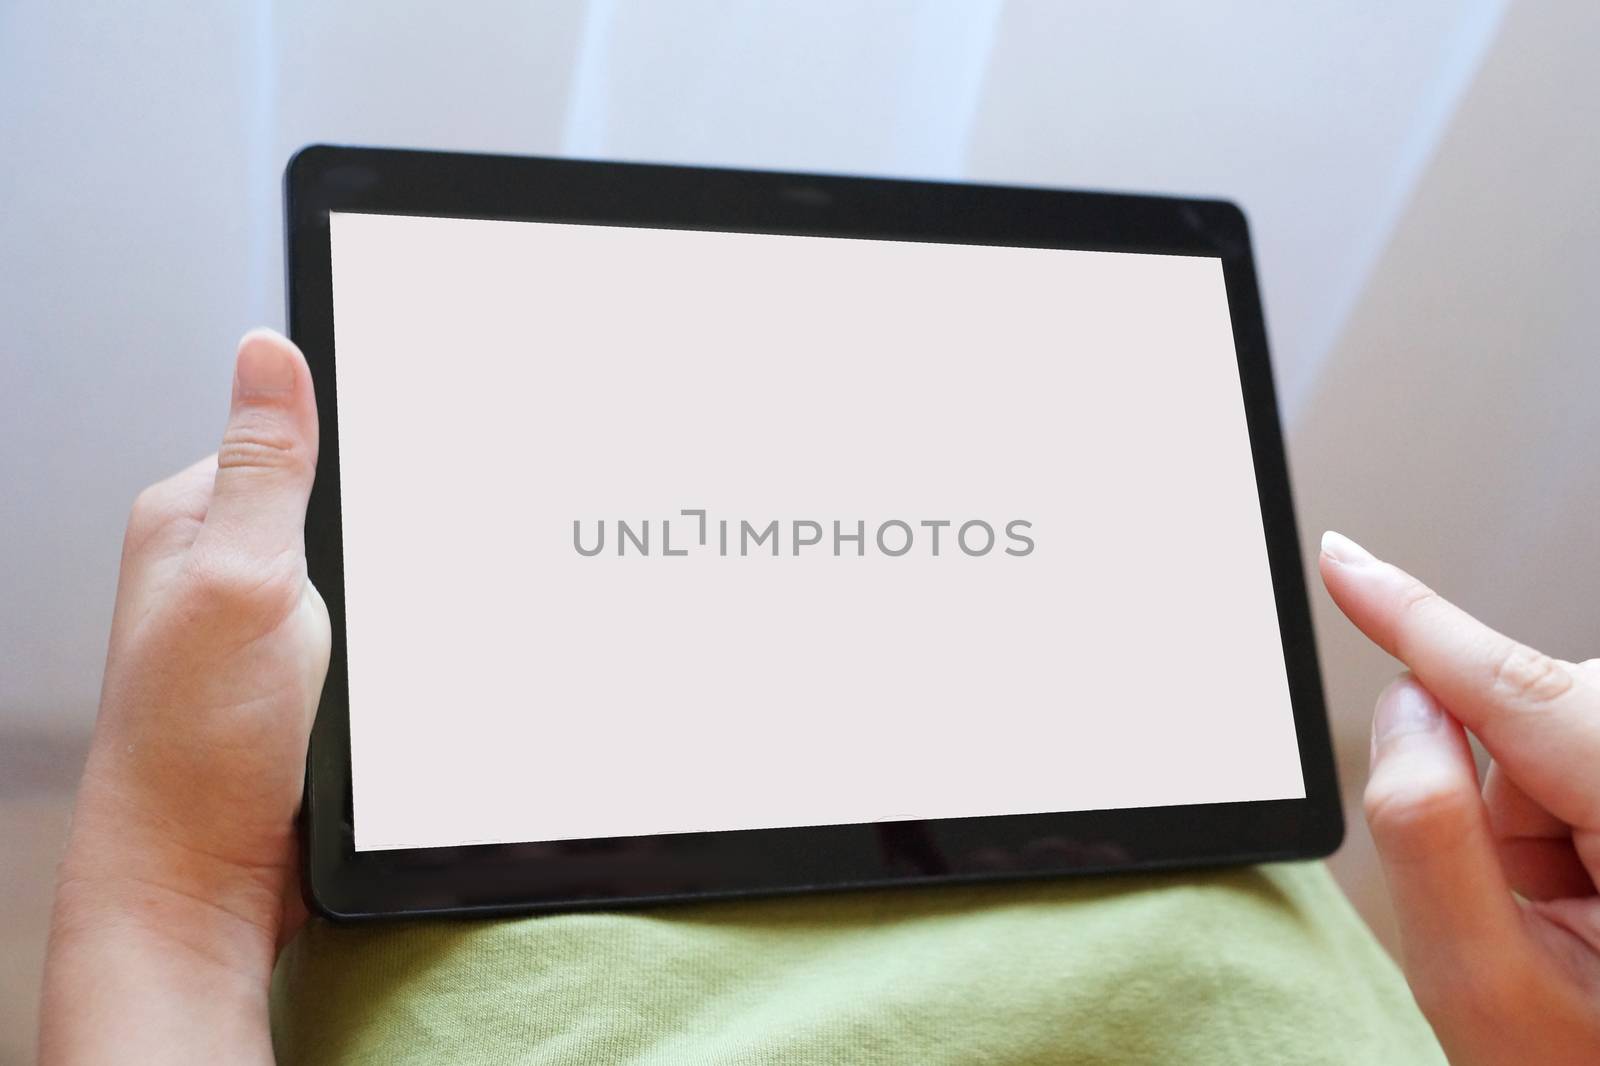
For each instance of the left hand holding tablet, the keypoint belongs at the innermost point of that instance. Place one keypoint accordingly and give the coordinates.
(180, 878)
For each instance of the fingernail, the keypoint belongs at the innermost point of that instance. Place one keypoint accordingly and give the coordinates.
(1404, 707)
(1341, 549)
(264, 366)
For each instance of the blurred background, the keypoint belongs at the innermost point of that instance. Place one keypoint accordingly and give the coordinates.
(1420, 177)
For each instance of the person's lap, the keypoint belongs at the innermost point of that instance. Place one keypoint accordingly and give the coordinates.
(1264, 964)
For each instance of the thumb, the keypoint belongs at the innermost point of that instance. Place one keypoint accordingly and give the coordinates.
(1460, 927)
(267, 459)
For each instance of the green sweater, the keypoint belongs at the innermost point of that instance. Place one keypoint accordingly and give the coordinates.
(1262, 965)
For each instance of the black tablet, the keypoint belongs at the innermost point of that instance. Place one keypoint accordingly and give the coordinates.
(697, 533)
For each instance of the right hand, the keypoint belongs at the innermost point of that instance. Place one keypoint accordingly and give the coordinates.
(1495, 889)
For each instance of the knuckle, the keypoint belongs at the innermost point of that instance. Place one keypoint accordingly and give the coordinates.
(150, 512)
(1409, 817)
(258, 440)
(1526, 675)
(1416, 598)
(1416, 602)
(228, 590)
(145, 512)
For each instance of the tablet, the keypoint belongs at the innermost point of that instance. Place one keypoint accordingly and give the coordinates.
(696, 533)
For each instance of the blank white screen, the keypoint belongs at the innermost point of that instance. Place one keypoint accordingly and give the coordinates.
(499, 380)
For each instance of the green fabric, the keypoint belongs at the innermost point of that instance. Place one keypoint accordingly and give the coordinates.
(1263, 965)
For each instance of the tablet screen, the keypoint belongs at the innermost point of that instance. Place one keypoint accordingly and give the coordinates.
(659, 531)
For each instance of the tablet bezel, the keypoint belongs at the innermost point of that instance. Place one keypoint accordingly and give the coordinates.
(341, 882)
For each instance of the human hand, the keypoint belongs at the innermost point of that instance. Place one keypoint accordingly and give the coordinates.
(1495, 890)
(179, 880)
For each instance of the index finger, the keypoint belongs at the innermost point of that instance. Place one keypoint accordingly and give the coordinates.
(1535, 714)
